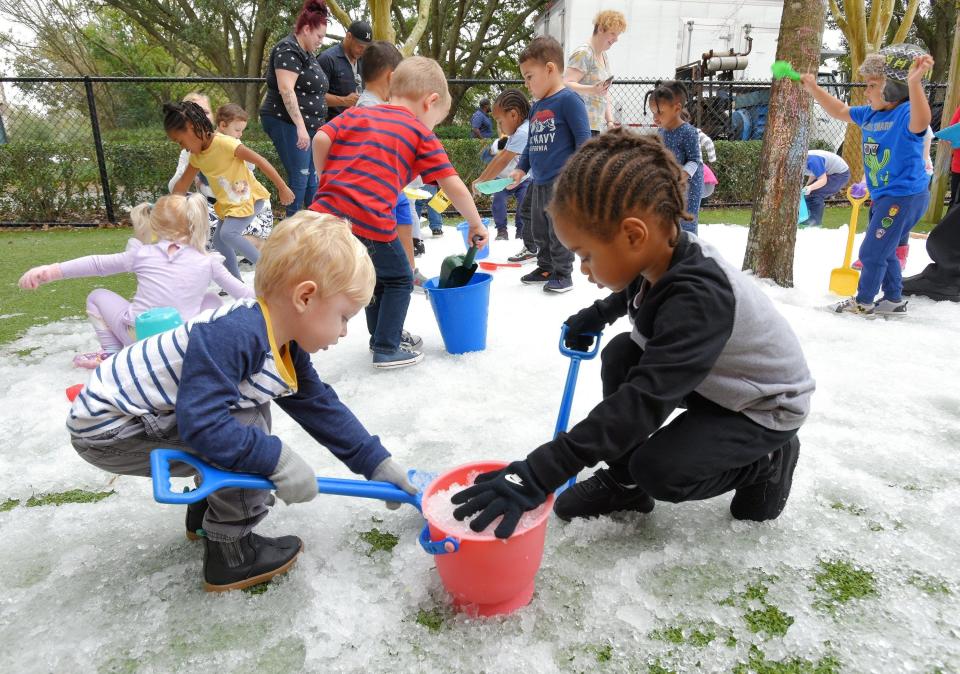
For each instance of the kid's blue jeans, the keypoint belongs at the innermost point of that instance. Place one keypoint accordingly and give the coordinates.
(391, 295)
(301, 174)
(499, 206)
(890, 217)
(816, 199)
(434, 219)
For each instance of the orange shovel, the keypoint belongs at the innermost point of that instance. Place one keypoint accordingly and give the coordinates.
(844, 280)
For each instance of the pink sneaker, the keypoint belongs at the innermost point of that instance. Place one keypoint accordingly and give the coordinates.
(902, 252)
(90, 361)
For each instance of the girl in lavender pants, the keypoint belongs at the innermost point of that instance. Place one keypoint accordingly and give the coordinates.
(172, 267)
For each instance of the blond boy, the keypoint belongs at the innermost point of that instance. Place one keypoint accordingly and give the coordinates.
(365, 156)
(206, 388)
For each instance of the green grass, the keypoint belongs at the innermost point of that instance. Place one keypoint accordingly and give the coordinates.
(432, 619)
(840, 581)
(833, 217)
(62, 299)
(379, 540)
(57, 499)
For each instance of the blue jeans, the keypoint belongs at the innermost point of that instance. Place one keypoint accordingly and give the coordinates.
(301, 174)
(890, 217)
(816, 198)
(433, 218)
(391, 295)
(499, 206)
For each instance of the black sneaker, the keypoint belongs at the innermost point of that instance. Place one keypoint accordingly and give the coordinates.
(598, 495)
(436, 231)
(418, 247)
(195, 513)
(537, 276)
(766, 500)
(502, 235)
(249, 561)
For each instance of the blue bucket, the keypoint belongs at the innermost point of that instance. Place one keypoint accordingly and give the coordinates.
(803, 212)
(464, 229)
(154, 321)
(461, 312)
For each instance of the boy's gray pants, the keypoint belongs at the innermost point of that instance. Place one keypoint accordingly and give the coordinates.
(232, 513)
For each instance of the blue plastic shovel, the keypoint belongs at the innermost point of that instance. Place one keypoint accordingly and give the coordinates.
(566, 402)
(212, 479)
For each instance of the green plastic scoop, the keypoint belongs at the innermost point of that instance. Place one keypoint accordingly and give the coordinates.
(783, 69)
(493, 186)
(457, 270)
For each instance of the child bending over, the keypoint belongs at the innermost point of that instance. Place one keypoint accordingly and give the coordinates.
(705, 337)
(173, 269)
(232, 121)
(206, 387)
(894, 123)
(222, 160)
(510, 110)
(364, 157)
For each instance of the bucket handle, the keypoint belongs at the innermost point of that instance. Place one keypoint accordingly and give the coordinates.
(442, 547)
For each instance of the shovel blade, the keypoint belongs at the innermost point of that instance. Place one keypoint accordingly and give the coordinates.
(460, 276)
(844, 282)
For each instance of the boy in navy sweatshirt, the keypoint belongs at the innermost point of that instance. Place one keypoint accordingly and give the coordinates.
(206, 388)
(705, 337)
(559, 124)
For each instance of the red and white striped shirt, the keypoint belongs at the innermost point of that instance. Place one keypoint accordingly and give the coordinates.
(375, 151)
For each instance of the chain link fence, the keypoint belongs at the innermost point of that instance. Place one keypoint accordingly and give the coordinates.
(82, 151)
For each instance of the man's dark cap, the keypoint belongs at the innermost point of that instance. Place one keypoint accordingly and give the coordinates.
(361, 30)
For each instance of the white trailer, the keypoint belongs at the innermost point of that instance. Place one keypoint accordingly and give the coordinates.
(663, 35)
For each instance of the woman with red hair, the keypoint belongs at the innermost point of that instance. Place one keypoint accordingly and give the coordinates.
(295, 104)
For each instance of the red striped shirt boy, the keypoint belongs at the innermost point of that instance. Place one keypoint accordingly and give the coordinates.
(374, 152)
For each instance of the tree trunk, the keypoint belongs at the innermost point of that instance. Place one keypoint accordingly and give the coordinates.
(773, 224)
(941, 170)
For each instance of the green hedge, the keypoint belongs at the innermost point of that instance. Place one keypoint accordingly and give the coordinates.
(60, 182)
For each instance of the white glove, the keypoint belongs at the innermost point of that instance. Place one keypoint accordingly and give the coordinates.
(392, 472)
(293, 478)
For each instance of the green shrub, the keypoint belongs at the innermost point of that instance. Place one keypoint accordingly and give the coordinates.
(736, 168)
(60, 182)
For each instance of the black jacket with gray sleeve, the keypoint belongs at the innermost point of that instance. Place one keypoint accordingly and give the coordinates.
(704, 327)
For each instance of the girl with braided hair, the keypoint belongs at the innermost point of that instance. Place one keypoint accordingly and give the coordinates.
(511, 110)
(222, 159)
(704, 336)
(666, 103)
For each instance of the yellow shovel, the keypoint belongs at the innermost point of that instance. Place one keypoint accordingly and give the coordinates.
(844, 280)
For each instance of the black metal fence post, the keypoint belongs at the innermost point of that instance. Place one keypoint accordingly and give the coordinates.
(98, 144)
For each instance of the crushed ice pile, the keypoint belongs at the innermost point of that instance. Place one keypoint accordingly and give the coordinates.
(860, 574)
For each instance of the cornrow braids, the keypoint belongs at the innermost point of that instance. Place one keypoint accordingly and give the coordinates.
(617, 175)
(513, 99)
(178, 116)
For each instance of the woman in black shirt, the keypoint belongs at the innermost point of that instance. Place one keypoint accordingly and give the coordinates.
(295, 104)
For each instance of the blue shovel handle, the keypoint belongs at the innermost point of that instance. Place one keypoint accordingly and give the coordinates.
(566, 402)
(212, 479)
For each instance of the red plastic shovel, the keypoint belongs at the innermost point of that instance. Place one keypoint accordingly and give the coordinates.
(494, 266)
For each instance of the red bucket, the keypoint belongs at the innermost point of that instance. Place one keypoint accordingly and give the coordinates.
(485, 575)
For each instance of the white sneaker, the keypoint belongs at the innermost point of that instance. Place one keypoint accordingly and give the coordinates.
(890, 309)
(851, 306)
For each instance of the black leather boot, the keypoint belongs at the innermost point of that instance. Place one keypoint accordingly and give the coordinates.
(246, 562)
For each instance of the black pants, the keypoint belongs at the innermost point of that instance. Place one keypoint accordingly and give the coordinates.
(954, 190)
(706, 451)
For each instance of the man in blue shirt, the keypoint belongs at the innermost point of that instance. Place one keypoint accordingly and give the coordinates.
(341, 63)
(480, 122)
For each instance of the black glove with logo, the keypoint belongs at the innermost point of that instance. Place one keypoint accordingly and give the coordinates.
(510, 492)
(584, 321)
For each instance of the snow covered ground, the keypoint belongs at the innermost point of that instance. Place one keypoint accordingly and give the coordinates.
(861, 573)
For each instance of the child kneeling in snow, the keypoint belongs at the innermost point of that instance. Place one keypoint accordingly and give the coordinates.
(704, 336)
(206, 388)
(170, 259)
